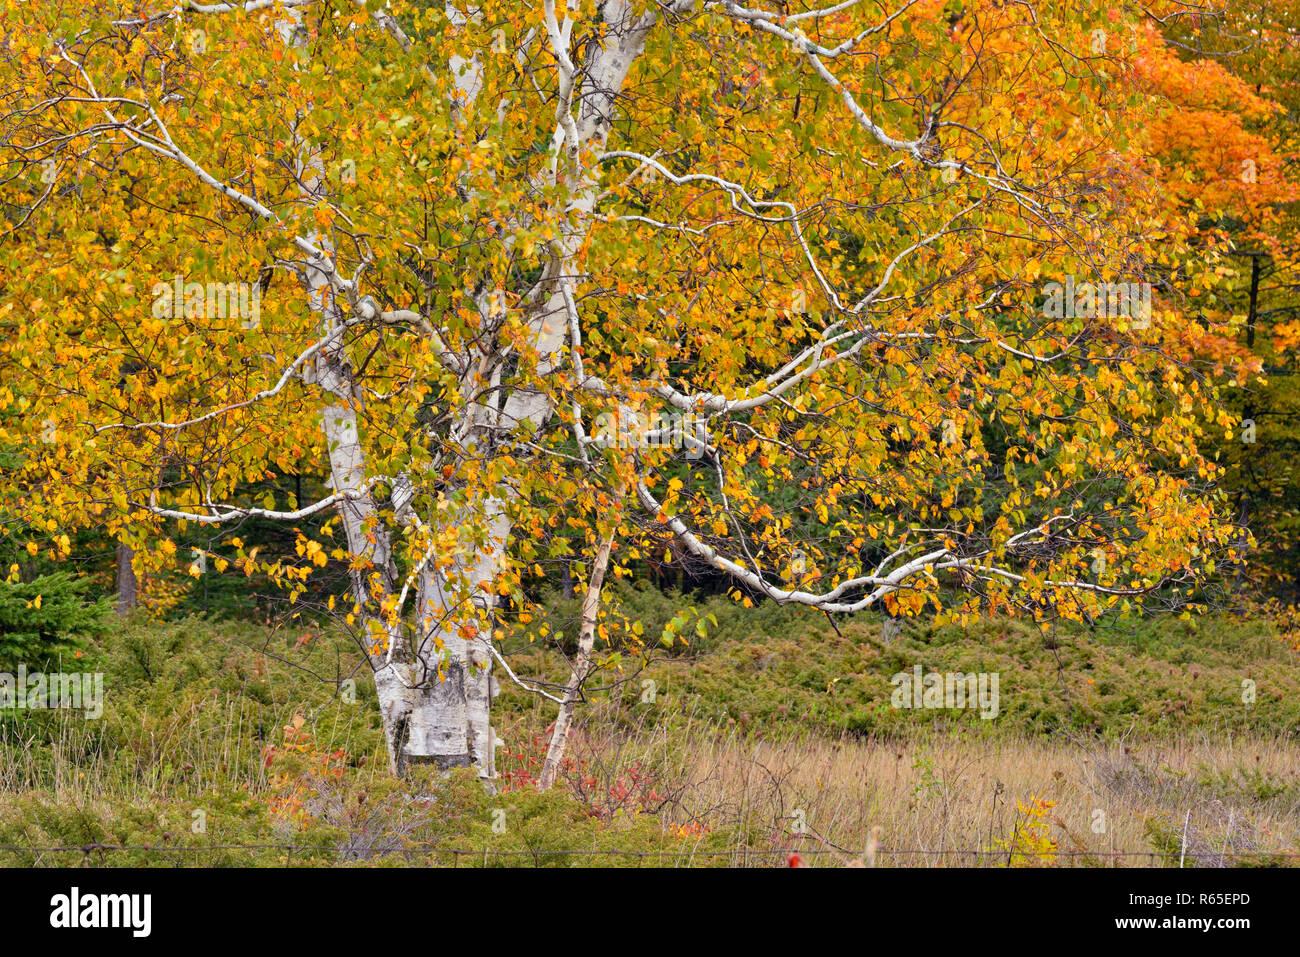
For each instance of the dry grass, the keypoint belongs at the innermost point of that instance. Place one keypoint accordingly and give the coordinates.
(194, 712)
(934, 800)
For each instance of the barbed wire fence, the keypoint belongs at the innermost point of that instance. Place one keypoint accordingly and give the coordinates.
(95, 853)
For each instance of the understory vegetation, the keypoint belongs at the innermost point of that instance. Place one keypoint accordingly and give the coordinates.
(769, 740)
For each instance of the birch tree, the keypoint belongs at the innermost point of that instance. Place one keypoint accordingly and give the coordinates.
(535, 283)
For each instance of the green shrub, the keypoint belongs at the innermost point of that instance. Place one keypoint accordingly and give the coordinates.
(45, 618)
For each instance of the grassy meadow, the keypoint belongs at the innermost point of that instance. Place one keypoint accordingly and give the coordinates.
(227, 743)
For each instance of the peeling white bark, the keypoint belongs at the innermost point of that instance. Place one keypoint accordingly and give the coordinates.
(366, 536)
(449, 717)
(581, 668)
(450, 709)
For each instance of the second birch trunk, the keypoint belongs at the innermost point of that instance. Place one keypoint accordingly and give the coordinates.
(581, 667)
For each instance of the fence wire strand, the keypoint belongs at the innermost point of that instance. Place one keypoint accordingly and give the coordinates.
(457, 853)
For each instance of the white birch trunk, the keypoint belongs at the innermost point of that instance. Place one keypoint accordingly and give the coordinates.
(581, 668)
(435, 697)
(365, 535)
(450, 709)
(449, 714)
